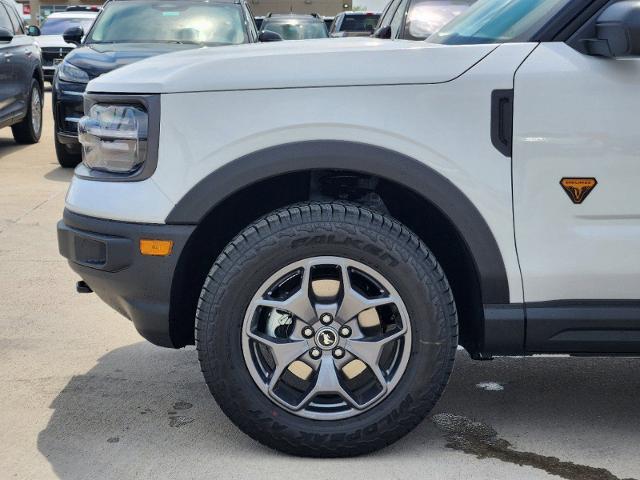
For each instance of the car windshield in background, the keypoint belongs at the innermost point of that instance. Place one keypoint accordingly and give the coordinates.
(359, 23)
(427, 16)
(296, 29)
(498, 21)
(57, 26)
(168, 22)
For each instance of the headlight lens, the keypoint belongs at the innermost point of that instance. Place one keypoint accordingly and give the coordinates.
(114, 137)
(71, 73)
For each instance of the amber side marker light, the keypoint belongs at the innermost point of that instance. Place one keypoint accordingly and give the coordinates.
(158, 248)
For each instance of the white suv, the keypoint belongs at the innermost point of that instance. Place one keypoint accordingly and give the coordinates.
(328, 251)
(54, 47)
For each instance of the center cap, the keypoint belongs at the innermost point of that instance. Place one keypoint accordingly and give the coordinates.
(326, 338)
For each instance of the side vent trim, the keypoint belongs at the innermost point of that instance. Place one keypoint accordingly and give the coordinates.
(502, 121)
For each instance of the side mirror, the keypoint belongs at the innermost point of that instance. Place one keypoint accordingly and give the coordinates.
(73, 35)
(5, 35)
(383, 32)
(617, 31)
(33, 31)
(269, 36)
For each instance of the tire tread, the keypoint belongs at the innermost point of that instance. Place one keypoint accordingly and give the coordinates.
(303, 216)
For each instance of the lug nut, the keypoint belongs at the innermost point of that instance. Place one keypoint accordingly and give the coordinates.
(307, 332)
(338, 352)
(326, 318)
(315, 353)
(345, 331)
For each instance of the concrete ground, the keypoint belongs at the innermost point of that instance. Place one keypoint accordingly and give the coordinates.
(83, 397)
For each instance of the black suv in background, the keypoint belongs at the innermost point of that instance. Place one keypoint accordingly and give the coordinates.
(418, 19)
(291, 26)
(354, 24)
(21, 81)
(130, 30)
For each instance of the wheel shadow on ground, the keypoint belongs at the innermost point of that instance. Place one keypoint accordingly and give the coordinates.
(145, 412)
(59, 174)
(9, 146)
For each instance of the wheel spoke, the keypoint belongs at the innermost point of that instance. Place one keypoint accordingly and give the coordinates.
(283, 351)
(369, 351)
(353, 302)
(297, 304)
(327, 382)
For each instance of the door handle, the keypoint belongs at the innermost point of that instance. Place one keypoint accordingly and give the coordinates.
(28, 52)
(8, 55)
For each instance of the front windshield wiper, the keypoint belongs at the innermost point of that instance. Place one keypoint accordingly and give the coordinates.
(183, 42)
(175, 42)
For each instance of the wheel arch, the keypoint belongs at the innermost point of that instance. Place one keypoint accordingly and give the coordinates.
(238, 193)
(39, 76)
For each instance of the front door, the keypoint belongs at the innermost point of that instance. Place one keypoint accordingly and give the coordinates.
(576, 188)
(8, 83)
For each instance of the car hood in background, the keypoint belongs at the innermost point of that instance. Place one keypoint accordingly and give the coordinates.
(350, 34)
(56, 41)
(306, 63)
(97, 59)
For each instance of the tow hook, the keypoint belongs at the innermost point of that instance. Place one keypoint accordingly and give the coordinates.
(82, 287)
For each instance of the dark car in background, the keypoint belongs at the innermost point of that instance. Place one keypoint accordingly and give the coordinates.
(418, 19)
(328, 21)
(21, 80)
(354, 24)
(291, 26)
(53, 46)
(130, 30)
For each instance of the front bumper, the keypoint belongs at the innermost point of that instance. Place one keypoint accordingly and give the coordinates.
(107, 257)
(68, 109)
(48, 73)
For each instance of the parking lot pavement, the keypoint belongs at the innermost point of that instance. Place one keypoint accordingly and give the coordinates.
(84, 398)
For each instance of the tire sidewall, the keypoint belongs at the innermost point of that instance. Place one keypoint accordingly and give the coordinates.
(35, 87)
(418, 285)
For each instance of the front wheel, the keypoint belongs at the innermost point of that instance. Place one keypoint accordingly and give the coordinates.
(326, 330)
(29, 129)
(67, 158)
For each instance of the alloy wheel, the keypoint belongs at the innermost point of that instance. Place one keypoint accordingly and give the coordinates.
(326, 338)
(36, 111)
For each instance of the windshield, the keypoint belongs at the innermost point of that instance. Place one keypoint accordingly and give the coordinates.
(428, 16)
(498, 21)
(57, 26)
(168, 22)
(359, 23)
(296, 29)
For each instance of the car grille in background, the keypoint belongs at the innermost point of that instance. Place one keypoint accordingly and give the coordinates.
(49, 54)
(68, 115)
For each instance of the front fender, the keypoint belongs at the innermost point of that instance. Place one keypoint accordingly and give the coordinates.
(363, 158)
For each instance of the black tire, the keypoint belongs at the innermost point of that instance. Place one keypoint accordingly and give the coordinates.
(281, 238)
(24, 131)
(66, 157)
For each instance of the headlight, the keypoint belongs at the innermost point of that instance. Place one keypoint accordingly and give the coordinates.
(71, 73)
(114, 137)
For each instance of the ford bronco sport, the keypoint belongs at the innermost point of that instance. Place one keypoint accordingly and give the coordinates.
(327, 252)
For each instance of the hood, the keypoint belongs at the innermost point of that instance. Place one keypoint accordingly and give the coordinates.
(97, 59)
(56, 41)
(296, 64)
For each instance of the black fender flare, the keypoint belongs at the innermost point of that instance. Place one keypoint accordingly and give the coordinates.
(366, 159)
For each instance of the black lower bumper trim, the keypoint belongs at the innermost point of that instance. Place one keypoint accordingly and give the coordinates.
(67, 138)
(106, 255)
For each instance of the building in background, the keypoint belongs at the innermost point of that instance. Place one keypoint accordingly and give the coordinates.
(35, 11)
(326, 8)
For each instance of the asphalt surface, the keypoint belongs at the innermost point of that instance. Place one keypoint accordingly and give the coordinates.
(82, 396)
